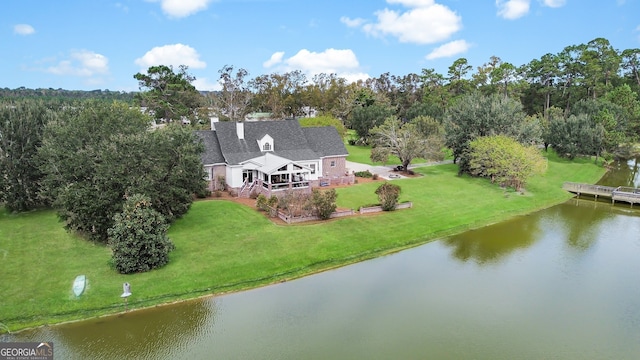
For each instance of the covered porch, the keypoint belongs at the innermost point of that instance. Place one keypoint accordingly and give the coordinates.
(274, 175)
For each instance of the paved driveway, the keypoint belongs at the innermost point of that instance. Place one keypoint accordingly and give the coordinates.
(386, 171)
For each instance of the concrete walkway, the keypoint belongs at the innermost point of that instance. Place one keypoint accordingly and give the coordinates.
(386, 171)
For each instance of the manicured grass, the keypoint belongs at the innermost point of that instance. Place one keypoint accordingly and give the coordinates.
(223, 246)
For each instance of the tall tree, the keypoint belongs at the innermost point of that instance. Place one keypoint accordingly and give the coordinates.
(575, 135)
(572, 72)
(476, 115)
(404, 141)
(458, 72)
(280, 94)
(95, 154)
(170, 96)
(543, 74)
(233, 100)
(21, 126)
(601, 63)
(631, 64)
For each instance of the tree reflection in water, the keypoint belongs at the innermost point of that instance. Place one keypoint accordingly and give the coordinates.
(142, 334)
(493, 244)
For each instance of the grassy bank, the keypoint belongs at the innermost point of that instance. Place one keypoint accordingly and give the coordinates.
(222, 246)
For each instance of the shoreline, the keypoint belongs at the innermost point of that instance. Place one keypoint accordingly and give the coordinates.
(294, 272)
(384, 252)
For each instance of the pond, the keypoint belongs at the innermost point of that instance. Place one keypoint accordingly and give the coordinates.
(562, 283)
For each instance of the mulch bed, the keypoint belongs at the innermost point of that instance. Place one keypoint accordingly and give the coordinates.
(252, 202)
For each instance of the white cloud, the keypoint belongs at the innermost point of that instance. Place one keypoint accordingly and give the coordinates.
(343, 63)
(82, 63)
(23, 29)
(513, 9)
(276, 58)
(174, 55)
(449, 49)
(203, 84)
(554, 3)
(182, 8)
(424, 23)
(352, 22)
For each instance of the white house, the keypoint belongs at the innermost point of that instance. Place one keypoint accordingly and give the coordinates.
(271, 156)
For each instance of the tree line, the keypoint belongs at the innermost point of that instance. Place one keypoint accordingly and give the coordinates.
(109, 177)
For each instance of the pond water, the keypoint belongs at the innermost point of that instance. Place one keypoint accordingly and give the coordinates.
(562, 283)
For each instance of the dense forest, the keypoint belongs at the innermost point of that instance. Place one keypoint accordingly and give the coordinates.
(64, 95)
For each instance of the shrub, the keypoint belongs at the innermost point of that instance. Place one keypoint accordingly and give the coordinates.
(261, 202)
(221, 183)
(138, 237)
(363, 174)
(203, 193)
(273, 201)
(324, 202)
(375, 177)
(388, 194)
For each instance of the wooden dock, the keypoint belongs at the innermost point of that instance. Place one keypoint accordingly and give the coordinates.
(621, 193)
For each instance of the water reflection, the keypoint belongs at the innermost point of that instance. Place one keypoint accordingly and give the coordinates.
(622, 173)
(144, 334)
(492, 245)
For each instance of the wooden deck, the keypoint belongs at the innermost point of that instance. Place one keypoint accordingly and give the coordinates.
(620, 193)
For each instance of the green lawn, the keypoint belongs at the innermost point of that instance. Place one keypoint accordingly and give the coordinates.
(222, 246)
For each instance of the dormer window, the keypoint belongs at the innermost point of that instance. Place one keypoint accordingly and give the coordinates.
(266, 143)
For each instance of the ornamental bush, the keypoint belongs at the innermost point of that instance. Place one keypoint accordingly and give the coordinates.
(388, 194)
(324, 203)
(138, 237)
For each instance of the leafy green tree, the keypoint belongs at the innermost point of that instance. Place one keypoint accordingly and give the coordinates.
(21, 126)
(324, 92)
(476, 115)
(388, 194)
(364, 118)
(138, 237)
(601, 63)
(280, 94)
(169, 95)
(575, 135)
(406, 142)
(629, 102)
(542, 74)
(504, 160)
(434, 93)
(631, 65)
(97, 153)
(324, 120)
(324, 202)
(458, 72)
(608, 117)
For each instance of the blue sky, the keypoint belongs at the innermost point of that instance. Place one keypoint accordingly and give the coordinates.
(101, 44)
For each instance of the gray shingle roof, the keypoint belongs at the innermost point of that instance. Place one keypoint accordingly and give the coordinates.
(290, 141)
(325, 141)
(212, 153)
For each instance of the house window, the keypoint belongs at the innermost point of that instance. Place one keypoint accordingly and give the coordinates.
(266, 147)
(313, 168)
(333, 163)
